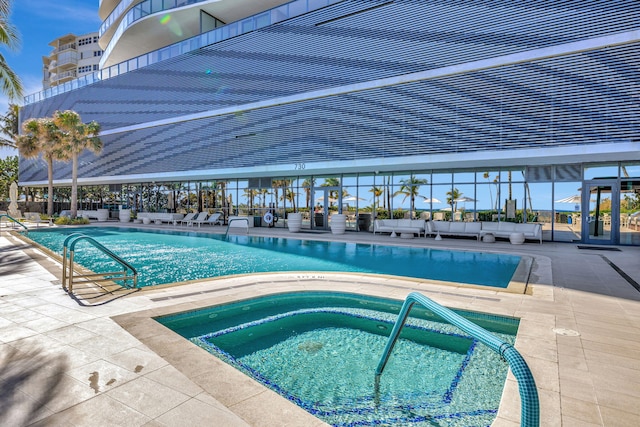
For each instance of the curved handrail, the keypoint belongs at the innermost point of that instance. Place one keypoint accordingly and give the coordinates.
(226, 234)
(14, 220)
(70, 243)
(530, 411)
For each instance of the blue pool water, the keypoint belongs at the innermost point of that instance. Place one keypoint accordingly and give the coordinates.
(172, 256)
(320, 350)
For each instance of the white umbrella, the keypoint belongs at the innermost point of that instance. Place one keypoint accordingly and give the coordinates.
(465, 199)
(352, 199)
(433, 200)
(576, 198)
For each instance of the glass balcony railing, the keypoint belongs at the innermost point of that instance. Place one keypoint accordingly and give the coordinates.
(243, 26)
(139, 11)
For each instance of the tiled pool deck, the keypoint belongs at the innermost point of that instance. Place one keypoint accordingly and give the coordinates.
(63, 363)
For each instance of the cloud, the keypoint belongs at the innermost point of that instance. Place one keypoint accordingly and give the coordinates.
(66, 12)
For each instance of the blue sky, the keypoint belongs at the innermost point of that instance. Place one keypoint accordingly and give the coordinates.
(39, 22)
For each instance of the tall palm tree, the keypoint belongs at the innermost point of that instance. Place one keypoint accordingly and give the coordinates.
(410, 188)
(377, 192)
(75, 138)
(9, 126)
(306, 185)
(42, 137)
(333, 194)
(452, 197)
(9, 38)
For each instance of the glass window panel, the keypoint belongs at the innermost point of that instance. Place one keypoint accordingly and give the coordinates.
(441, 211)
(566, 215)
(601, 171)
(630, 170)
(400, 178)
(441, 178)
(464, 177)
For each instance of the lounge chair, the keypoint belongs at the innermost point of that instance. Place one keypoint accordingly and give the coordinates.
(199, 219)
(214, 219)
(188, 218)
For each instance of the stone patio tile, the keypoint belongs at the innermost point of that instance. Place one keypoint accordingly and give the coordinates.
(148, 397)
(171, 377)
(70, 334)
(20, 409)
(262, 410)
(195, 412)
(14, 333)
(618, 418)
(103, 346)
(103, 410)
(580, 410)
(64, 393)
(137, 360)
(44, 324)
(101, 375)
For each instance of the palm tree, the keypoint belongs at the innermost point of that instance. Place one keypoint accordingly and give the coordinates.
(9, 38)
(452, 197)
(333, 194)
(377, 192)
(410, 188)
(41, 136)
(75, 138)
(9, 127)
(306, 185)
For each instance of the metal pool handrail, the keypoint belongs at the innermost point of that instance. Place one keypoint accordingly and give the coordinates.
(14, 220)
(74, 238)
(530, 410)
(226, 234)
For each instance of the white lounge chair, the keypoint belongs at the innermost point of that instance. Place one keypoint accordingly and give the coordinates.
(214, 219)
(199, 219)
(188, 218)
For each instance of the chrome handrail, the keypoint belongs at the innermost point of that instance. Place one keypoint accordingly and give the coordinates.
(226, 234)
(74, 238)
(530, 406)
(14, 220)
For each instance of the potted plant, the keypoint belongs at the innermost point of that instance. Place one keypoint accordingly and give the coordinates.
(294, 222)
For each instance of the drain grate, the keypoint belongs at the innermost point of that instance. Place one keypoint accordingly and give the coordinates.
(599, 248)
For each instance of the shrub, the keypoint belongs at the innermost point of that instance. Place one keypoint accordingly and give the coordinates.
(64, 220)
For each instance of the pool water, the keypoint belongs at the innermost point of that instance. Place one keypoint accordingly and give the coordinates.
(172, 256)
(320, 350)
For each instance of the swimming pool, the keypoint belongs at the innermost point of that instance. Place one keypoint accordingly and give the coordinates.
(171, 256)
(320, 350)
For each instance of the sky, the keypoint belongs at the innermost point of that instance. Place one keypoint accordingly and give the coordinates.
(39, 22)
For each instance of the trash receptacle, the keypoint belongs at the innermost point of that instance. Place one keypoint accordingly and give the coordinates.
(257, 221)
(569, 219)
(364, 221)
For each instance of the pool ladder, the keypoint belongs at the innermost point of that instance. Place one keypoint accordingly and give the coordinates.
(226, 234)
(530, 409)
(128, 273)
(10, 218)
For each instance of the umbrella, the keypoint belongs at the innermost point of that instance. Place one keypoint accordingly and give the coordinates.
(352, 199)
(433, 200)
(576, 198)
(331, 199)
(465, 199)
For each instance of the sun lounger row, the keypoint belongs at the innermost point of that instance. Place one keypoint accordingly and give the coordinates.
(200, 218)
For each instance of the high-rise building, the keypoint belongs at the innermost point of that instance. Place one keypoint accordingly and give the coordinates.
(521, 111)
(72, 57)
